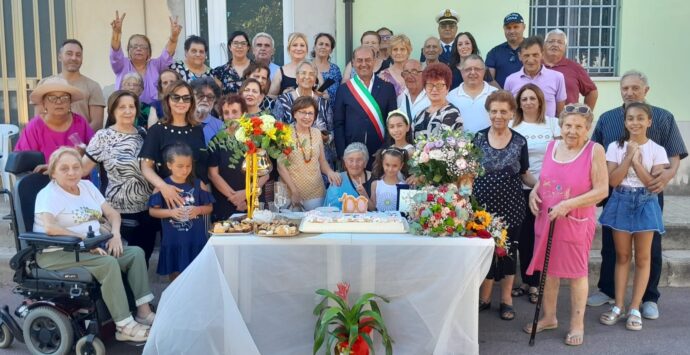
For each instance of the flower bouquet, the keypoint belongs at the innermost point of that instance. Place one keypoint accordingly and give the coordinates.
(249, 134)
(446, 157)
(440, 212)
(254, 137)
(349, 327)
(484, 225)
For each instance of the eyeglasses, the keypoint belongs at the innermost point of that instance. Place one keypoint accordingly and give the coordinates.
(58, 99)
(386, 37)
(307, 73)
(471, 70)
(411, 72)
(138, 46)
(437, 86)
(201, 97)
(579, 109)
(307, 113)
(239, 44)
(181, 98)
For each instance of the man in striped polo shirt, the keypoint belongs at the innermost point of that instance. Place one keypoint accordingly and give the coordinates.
(664, 131)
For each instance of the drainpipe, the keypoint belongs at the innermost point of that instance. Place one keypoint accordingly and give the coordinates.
(348, 30)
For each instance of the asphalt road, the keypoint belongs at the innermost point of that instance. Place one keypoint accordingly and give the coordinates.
(667, 335)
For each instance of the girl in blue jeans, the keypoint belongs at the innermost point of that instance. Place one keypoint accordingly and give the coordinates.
(633, 212)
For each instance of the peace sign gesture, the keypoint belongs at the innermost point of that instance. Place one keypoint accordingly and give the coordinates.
(117, 22)
(175, 28)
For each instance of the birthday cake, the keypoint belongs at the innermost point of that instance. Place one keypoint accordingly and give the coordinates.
(338, 222)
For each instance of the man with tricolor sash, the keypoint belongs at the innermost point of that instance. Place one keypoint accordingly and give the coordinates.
(361, 106)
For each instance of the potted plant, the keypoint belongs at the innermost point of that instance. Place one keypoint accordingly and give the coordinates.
(349, 327)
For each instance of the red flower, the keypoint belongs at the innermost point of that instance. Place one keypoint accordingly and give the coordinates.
(441, 201)
(251, 147)
(256, 122)
(443, 189)
(287, 151)
(279, 125)
(452, 214)
(437, 215)
(450, 230)
(501, 251)
(425, 225)
(429, 197)
(343, 290)
(484, 234)
(258, 131)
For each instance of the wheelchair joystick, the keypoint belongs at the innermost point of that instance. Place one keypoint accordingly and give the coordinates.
(90, 233)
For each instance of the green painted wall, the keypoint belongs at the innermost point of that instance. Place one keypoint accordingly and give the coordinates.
(651, 38)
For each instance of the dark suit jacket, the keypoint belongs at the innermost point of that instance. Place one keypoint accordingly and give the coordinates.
(351, 123)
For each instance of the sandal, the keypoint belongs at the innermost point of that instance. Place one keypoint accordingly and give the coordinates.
(540, 328)
(506, 311)
(533, 295)
(484, 305)
(634, 321)
(575, 338)
(133, 331)
(148, 320)
(612, 316)
(519, 291)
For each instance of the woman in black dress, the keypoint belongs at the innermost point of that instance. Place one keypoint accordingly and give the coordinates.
(178, 126)
(499, 190)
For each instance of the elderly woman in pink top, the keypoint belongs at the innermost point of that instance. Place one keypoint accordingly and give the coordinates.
(139, 57)
(573, 180)
(56, 126)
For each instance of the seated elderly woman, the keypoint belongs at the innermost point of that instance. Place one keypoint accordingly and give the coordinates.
(355, 180)
(81, 207)
(56, 125)
(302, 174)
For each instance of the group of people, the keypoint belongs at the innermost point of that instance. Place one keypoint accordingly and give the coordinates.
(522, 102)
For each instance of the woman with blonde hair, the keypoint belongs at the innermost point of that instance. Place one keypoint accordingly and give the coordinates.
(400, 50)
(286, 77)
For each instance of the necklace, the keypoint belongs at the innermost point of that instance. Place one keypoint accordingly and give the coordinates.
(301, 147)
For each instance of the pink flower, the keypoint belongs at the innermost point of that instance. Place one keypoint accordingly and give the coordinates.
(424, 157)
(461, 163)
(343, 290)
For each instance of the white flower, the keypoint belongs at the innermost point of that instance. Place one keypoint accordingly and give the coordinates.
(268, 122)
(461, 163)
(240, 135)
(436, 154)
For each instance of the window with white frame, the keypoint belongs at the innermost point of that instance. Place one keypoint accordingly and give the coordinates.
(590, 26)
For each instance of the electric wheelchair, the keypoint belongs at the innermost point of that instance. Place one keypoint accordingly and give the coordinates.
(60, 307)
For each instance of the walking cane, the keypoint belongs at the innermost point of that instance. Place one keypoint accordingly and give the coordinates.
(542, 281)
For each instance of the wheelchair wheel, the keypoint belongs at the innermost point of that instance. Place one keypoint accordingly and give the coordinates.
(48, 331)
(6, 336)
(95, 348)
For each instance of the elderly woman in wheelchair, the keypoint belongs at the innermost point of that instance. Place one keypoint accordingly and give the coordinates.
(70, 206)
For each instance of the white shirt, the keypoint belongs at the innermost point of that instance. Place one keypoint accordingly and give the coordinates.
(538, 136)
(474, 115)
(73, 212)
(420, 103)
(652, 155)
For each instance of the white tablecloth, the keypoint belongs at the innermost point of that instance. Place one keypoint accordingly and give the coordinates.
(255, 295)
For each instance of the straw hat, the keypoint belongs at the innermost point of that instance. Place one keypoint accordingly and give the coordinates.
(54, 84)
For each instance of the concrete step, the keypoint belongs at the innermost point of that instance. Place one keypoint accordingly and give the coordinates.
(674, 273)
(677, 237)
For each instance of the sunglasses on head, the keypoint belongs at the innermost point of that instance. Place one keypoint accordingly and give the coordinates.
(183, 98)
(578, 109)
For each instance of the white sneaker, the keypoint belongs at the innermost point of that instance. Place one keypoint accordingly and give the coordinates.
(599, 299)
(650, 310)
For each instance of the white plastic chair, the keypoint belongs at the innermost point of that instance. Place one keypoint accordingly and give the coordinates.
(6, 133)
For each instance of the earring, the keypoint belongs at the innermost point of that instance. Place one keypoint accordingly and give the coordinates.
(45, 111)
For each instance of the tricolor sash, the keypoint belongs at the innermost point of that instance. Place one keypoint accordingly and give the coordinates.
(368, 104)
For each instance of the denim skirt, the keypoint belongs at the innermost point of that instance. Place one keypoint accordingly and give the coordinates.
(633, 209)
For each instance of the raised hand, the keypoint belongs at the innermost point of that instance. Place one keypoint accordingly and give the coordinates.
(175, 28)
(116, 24)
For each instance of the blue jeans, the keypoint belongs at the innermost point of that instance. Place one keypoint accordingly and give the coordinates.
(608, 263)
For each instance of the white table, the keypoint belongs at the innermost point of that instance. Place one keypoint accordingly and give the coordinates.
(255, 295)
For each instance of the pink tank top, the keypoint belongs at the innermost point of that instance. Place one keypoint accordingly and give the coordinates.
(563, 180)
